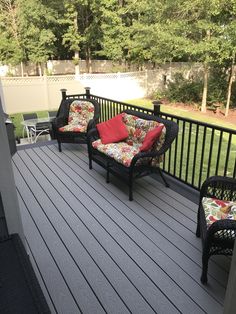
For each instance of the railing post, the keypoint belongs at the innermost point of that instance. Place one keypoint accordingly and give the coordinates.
(63, 93)
(157, 107)
(87, 92)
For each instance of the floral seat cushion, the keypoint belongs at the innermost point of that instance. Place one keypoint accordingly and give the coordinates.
(121, 152)
(74, 128)
(79, 115)
(216, 210)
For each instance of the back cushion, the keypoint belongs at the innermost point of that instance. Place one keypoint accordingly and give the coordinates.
(137, 128)
(81, 111)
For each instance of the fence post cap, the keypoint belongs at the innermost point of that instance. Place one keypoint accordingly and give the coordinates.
(157, 107)
(63, 89)
(157, 102)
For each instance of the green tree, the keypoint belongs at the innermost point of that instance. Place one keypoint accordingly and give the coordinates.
(205, 24)
(37, 21)
(82, 19)
(116, 21)
(11, 50)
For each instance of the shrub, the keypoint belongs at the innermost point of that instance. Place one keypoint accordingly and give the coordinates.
(217, 86)
(190, 91)
(183, 90)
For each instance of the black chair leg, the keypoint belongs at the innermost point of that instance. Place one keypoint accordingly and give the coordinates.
(108, 174)
(205, 258)
(198, 234)
(131, 186)
(163, 178)
(90, 164)
(59, 145)
(89, 156)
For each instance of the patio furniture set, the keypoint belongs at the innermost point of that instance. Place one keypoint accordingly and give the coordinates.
(132, 145)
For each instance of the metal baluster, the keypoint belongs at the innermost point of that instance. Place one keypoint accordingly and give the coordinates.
(182, 151)
(188, 152)
(195, 154)
(202, 157)
(227, 154)
(210, 152)
(218, 155)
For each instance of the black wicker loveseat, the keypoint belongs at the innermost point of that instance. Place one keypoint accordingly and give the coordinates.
(74, 118)
(141, 163)
(216, 223)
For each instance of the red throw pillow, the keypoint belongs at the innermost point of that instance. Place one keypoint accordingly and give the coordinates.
(113, 130)
(151, 137)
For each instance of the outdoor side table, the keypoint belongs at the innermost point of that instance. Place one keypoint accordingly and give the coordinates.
(37, 126)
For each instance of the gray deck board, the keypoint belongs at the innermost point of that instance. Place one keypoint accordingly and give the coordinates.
(175, 232)
(95, 251)
(163, 230)
(179, 228)
(74, 262)
(156, 299)
(46, 263)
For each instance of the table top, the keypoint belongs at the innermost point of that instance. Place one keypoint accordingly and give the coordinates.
(33, 122)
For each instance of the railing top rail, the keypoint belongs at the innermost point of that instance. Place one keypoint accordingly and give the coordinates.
(204, 124)
(123, 103)
(75, 95)
(212, 126)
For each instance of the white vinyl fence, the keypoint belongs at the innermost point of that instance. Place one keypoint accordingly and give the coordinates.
(43, 93)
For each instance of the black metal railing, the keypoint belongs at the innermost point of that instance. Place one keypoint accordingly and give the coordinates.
(200, 150)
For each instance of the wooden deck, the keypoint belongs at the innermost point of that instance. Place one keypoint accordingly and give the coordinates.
(95, 252)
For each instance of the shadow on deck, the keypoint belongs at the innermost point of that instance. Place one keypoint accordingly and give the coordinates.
(95, 252)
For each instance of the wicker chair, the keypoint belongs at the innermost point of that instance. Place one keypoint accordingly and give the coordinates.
(218, 235)
(67, 131)
(137, 168)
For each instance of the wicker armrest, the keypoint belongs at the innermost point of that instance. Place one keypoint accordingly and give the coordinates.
(219, 187)
(58, 122)
(150, 154)
(91, 124)
(92, 135)
(224, 229)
